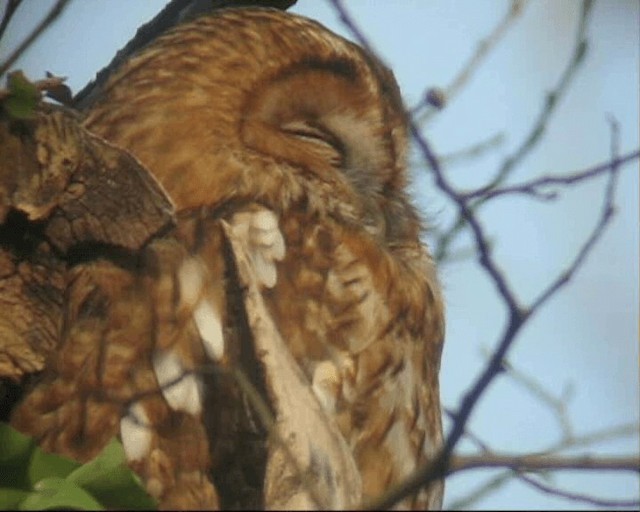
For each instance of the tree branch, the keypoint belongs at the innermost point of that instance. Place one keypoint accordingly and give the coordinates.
(473, 151)
(534, 136)
(529, 463)
(9, 11)
(483, 49)
(53, 14)
(568, 442)
(579, 497)
(532, 187)
(443, 464)
(606, 215)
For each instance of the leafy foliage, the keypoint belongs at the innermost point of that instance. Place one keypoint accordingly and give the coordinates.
(35, 480)
(23, 96)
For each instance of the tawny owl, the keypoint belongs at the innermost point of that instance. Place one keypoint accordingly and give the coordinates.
(294, 278)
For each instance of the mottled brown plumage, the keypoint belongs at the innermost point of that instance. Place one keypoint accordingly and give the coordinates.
(283, 147)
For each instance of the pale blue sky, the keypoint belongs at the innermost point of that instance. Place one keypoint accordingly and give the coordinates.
(587, 336)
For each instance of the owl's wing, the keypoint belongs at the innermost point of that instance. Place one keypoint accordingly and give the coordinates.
(309, 463)
(349, 334)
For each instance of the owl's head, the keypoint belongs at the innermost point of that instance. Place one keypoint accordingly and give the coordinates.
(263, 105)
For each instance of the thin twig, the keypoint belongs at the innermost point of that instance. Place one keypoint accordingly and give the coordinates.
(517, 317)
(458, 256)
(606, 214)
(465, 212)
(473, 151)
(605, 434)
(529, 463)
(9, 11)
(55, 11)
(348, 22)
(532, 187)
(533, 386)
(552, 99)
(483, 50)
(482, 490)
(533, 137)
(579, 497)
(506, 476)
(437, 467)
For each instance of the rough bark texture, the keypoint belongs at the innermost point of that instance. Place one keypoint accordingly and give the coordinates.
(63, 194)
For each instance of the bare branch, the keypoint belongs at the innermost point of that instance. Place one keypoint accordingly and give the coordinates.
(527, 463)
(542, 463)
(557, 405)
(517, 315)
(463, 254)
(569, 440)
(483, 49)
(506, 476)
(532, 187)
(467, 215)
(605, 434)
(53, 14)
(9, 11)
(552, 99)
(473, 151)
(534, 136)
(606, 215)
(579, 497)
(481, 491)
(348, 22)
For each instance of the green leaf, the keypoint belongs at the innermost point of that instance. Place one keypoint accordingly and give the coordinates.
(110, 458)
(23, 464)
(16, 451)
(45, 464)
(105, 481)
(55, 492)
(109, 479)
(23, 98)
(13, 444)
(11, 498)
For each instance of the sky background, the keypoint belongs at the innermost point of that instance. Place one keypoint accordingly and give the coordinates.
(584, 343)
